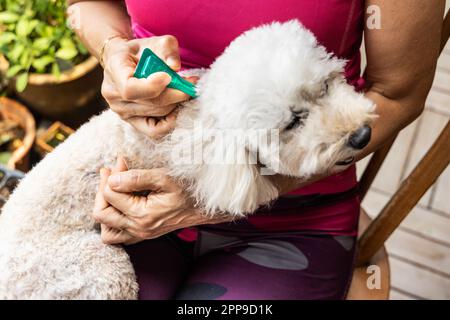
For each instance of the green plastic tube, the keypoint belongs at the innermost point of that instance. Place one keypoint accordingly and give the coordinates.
(150, 63)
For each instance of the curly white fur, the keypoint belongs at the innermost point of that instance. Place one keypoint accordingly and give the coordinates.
(50, 248)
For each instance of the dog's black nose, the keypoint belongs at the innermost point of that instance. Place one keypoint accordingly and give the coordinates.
(360, 138)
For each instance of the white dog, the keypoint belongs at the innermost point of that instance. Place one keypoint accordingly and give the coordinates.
(272, 79)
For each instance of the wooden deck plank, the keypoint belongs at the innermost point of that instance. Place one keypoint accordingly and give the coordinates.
(439, 96)
(426, 223)
(417, 281)
(429, 128)
(397, 294)
(442, 79)
(431, 255)
(389, 176)
(441, 199)
(438, 101)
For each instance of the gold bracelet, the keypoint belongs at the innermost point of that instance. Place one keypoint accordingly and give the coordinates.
(102, 49)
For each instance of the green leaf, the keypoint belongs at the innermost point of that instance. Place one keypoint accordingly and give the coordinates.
(16, 52)
(42, 43)
(11, 72)
(32, 25)
(81, 48)
(66, 53)
(4, 157)
(25, 59)
(22, 28)
(55, 70)
(21, 81)
(48, 31)
(8, 17)
(40, 63)
(25, 27)
(67, 43)
(7, 37)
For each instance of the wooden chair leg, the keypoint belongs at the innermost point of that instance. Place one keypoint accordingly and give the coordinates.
(445, 31)
(406, 197)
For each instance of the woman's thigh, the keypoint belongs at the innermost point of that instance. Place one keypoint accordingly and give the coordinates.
(160, 265)
(294, 267)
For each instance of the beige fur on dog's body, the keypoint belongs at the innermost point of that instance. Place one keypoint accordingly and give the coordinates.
(50, 247)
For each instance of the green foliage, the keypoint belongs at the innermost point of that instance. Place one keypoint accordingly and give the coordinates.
(35, 37)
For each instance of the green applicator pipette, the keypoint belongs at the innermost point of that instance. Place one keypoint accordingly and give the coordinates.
(150, 63)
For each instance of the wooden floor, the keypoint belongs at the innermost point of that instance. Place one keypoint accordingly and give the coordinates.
(419, 251)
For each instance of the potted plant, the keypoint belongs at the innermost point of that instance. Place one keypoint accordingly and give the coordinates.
(17, 134)
(49, 67)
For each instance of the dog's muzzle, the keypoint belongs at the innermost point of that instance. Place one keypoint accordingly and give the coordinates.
(360, 138)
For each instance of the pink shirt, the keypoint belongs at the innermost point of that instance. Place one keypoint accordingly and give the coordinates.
(205, 28)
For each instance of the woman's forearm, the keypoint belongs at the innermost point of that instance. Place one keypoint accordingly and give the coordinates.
(392, 116)
(96, 21)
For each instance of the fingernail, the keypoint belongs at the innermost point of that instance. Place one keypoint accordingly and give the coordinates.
(194, 78)
(166, 78)
(173, 62)
(114, 180)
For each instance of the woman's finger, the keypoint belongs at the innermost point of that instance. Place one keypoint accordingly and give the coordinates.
(129, 109)
(121, 164)
(152, 127)
(165, 47)
(169, 96)
(145, 88)
(158, 128)
(120, 67)
(168, 50)
(112, 218)
(127, 203)
(114, 236)
(100, 202)
(140, 180)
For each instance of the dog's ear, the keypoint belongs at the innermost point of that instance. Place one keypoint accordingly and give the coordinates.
(235, 186)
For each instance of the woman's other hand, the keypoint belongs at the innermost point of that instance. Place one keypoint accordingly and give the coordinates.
(128, 216)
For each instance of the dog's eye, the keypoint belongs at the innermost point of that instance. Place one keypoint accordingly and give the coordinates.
(295, 122)
(297, 119)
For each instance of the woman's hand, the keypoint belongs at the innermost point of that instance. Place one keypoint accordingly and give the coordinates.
(129, 217)
(147, 104)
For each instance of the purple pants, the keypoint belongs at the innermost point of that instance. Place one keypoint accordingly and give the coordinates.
(226, 262)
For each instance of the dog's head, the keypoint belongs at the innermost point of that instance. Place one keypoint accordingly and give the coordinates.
(277, 77)
(277, 83)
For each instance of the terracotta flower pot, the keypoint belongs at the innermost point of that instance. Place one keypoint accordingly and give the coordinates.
(57, 132)
(54, 97)
(12, 110)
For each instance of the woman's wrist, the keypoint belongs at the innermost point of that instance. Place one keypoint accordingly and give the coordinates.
(111, 45)
(203, 218)
(108, 43)
(94, 29)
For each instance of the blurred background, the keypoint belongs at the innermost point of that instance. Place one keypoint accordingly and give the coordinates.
(50, 85)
